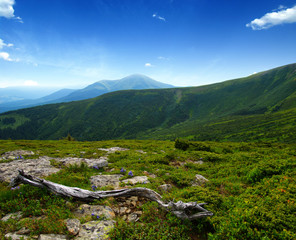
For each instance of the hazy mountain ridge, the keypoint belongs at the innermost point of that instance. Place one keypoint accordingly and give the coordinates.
(167, 113)
(135, 81)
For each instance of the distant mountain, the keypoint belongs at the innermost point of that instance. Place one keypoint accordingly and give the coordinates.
(260, 107)
(14, 105)
(11, 94)
(135, 81)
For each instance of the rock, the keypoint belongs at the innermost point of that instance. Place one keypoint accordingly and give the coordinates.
(14, 236)
(165, 187)
(23, 231)
(106, 180)
(95, 230)
(86, 210)
(149, 174)
(141, 151)
(113, 149)
(16, 154)
(73, 226)
(199, 162)
(97, 163)
(16, 215)
(199, 180)
(135, 180)
(139, 213)
(123, 210)
(52, 237)
(133, 217)
(93, 162)
(37, 167)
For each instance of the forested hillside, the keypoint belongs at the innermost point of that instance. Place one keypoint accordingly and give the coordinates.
(240, 109)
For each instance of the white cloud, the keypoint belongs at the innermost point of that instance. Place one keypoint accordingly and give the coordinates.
(30, 83)
(274, 18)
(155, 15)
(6, 8)
(148, 65)
(7, 11)
(5, 56)
(3, 44)
(19, 19)
(163, 58)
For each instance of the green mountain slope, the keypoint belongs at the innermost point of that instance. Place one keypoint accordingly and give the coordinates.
(222, 111)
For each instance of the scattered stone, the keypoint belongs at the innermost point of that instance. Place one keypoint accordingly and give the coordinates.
(133, 217)
(23, 231)
(141, 151)
(149, 174)
(52, 237)
(139, 213)
(134, 198)
(113, 149)
(199, 180)
(199, 162)
(95, 230)
(106, 180)
(14, 236)
(73, 226)
(17, 153)
(137, 179)
(94, 162)
(122, 210)
(165, 187)
(97, 163)
(86, 210)
(16, 215)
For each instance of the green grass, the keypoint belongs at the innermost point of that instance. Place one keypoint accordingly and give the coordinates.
(251, 191)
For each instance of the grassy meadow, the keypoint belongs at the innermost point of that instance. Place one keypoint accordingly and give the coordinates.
(251, 188)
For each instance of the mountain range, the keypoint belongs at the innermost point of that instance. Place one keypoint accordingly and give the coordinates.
(135, 81)
(260, 107)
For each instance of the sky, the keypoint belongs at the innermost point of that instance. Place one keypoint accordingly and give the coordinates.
(74, 43)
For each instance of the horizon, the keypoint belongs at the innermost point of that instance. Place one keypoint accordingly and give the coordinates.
(72, 44)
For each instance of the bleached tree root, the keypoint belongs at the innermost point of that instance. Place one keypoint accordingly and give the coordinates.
(190, 210)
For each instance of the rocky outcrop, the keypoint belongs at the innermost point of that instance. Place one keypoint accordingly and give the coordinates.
(94, 212)
(15, 236)
(38, 167)
(42, 166)
(113, 149)
(199, 180)
(95, 230)
(16, 215)
(73, 226)
(135, 180)
(165, 187)
(106, 180)
(52, 237)
(12, 155)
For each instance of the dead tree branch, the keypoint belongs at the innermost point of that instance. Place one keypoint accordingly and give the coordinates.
(190, 210)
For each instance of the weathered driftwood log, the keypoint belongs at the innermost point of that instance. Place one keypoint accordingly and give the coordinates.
(180, 209)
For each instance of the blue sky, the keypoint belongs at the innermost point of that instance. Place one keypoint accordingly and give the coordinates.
(73, 43)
